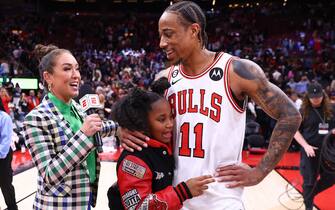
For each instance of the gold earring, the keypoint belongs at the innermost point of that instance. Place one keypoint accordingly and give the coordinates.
(49, 87)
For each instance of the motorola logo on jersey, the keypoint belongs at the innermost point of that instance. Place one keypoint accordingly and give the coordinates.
(216, 74)
(175, 73)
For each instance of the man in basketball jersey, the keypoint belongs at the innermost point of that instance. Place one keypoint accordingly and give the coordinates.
(207, 95)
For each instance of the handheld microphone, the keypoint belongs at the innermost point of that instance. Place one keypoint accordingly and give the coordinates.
(90, 103)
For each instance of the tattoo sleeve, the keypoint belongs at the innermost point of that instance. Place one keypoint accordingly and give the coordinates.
(276, 104)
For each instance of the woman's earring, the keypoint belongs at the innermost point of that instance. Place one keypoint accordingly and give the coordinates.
(49, 87)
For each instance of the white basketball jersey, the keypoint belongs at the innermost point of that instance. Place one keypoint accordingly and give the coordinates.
(209, 131)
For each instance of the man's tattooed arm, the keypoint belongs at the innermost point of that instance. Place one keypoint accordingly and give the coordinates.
(275, 103)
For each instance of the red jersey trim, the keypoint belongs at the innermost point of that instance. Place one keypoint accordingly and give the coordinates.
(228, 89)
(170, 72)
(169, 79)
(202, 73)
(157, 144)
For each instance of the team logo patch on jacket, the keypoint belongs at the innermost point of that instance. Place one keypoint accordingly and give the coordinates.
(131, 199)
(133, 169)
(152, 202)
(159, 175)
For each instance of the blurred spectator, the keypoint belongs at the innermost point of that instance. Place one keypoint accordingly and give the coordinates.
(296, 99)
(292, 84)
(16, 94)
(276, 75)
(5, 98)
(301, 86)
(4, 68)
(251, 112)
(97, 76)
(6, 155)
(23, 104)
(101, 93)
(122, 93)
(318, 120)
(32, 100)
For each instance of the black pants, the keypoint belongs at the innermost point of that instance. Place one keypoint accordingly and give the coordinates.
(6, 178)
(310, 170)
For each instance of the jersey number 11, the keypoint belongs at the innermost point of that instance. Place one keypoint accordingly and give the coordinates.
(184, 149)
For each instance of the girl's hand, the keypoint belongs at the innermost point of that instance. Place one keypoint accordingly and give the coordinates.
(199, 184)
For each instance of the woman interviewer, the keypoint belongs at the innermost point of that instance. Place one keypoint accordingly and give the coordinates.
(59, 136)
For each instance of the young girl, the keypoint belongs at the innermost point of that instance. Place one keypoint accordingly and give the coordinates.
(145, 177)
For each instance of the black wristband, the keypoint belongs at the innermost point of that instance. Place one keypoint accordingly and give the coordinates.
(189, 194)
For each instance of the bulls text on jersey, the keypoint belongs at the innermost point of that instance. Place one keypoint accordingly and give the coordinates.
(184, 96)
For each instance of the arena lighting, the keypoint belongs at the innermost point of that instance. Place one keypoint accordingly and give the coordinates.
(16, 32)
(246, 5)
(213, 2)
(171, 2)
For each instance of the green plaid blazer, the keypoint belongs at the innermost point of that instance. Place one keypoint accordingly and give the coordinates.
(59, 155)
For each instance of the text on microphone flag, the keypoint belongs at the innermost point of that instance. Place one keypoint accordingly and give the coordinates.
(84, 104)
(90, 101)
(94, 101)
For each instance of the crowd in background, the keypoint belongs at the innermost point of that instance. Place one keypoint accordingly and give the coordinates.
(294, 45)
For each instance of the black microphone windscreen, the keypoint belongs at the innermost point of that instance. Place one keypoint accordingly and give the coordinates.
(84, 89)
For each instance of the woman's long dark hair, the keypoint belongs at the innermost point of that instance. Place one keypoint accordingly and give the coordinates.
(306, 107)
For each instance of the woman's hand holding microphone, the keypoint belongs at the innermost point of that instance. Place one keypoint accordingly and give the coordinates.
(92, 124)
